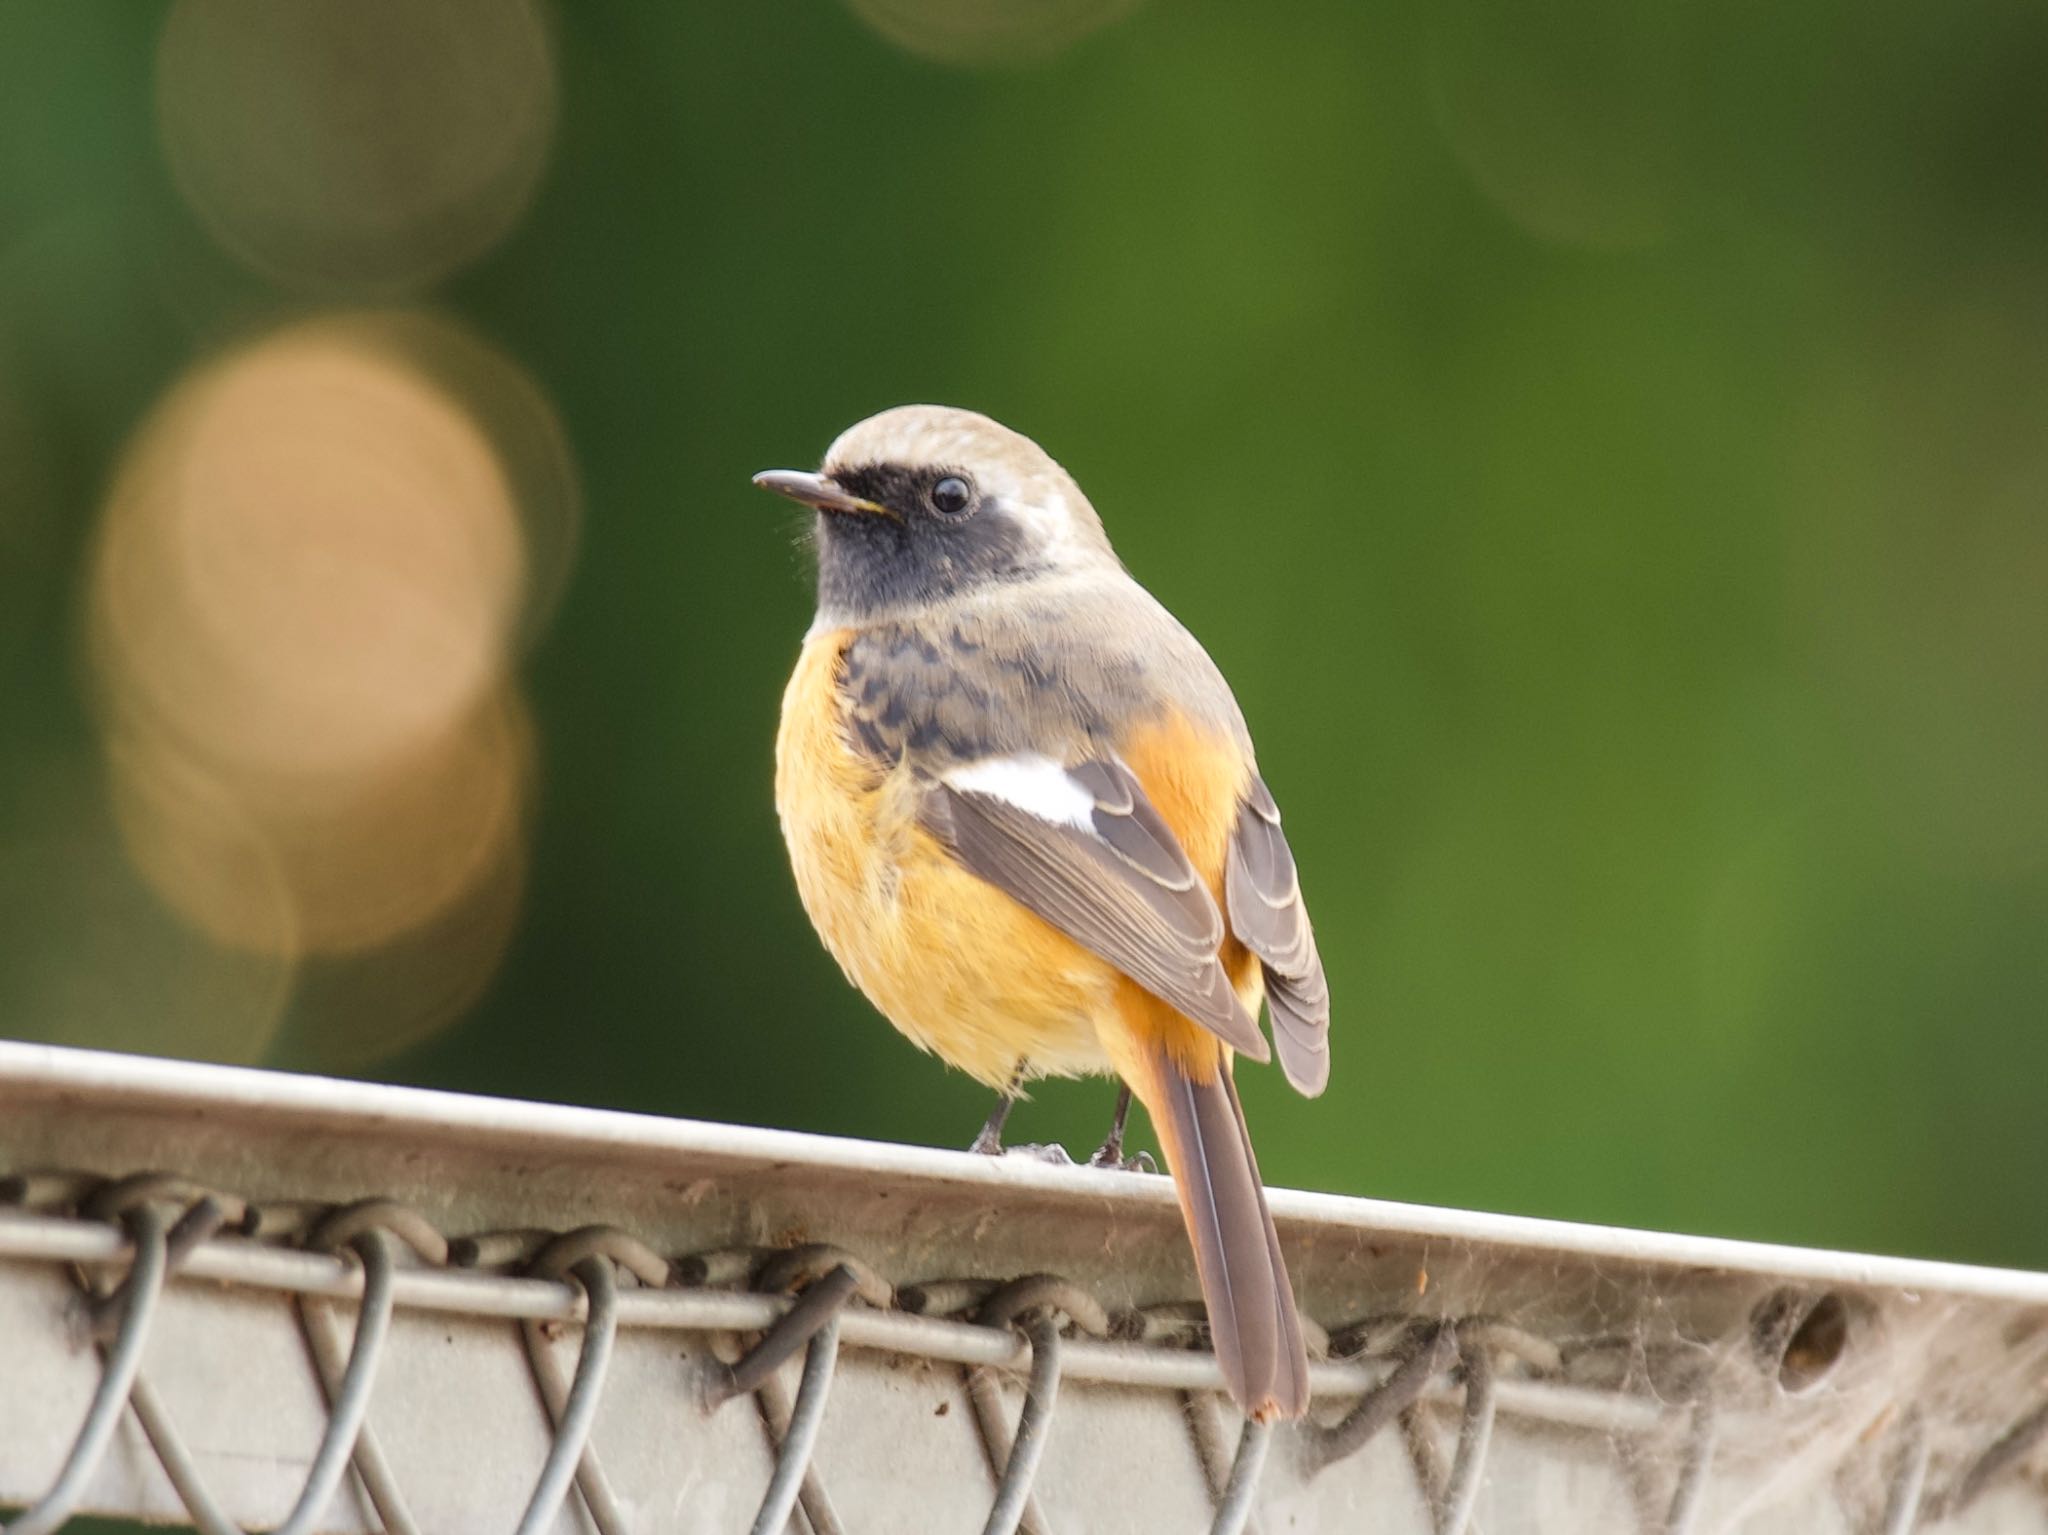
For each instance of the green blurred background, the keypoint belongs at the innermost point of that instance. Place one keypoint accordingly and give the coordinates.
(1605, 445)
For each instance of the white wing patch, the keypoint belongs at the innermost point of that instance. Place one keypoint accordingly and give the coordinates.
(1031, 781)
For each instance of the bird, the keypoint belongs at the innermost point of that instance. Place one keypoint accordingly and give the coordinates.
(1024, 815)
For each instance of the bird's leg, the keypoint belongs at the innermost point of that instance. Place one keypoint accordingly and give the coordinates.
(1111, 1152)
(990, 1142)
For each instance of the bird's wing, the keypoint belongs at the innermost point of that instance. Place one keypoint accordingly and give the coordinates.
(1263, 893)
(1083, 848)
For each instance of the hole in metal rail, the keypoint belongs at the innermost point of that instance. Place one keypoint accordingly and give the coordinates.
(1806, 1335)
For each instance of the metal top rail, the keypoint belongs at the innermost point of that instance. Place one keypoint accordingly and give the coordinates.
(326, 1106)
(1688, 1373)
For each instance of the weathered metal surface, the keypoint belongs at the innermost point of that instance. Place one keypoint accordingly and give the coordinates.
(1490, 1373)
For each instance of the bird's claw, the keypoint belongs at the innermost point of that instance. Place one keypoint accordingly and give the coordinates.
(1111, 1158)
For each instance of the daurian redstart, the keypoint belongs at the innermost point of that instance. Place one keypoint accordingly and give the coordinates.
(1025, 817)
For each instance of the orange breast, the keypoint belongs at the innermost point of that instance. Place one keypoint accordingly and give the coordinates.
(955, 964)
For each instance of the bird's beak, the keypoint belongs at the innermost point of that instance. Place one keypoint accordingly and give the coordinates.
(816, 490)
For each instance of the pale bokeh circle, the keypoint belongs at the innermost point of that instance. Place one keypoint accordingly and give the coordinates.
(313, 558)
(989, 32)
(351, 1009)
(359, 146)
(322, 556)
(93, 959)
(524, 431)
(361, 859)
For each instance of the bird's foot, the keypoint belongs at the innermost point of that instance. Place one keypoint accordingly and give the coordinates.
(991, 1145)
(1110, 1155)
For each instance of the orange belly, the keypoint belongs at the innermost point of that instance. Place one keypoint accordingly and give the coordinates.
(954, 963)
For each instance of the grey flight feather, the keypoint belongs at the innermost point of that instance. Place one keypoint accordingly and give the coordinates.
(1253, 1325)
(1263, 893)
(1127, 893)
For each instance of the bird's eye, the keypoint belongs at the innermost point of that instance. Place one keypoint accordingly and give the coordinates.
(952, 495)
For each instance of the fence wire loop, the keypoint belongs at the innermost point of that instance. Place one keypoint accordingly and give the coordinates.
(508, 1250)
(201, 1212)
(819, 1304)
(944, 1297)
(323, 1342)
(572, 1425)
(121, 1363)
(719, 1267)
(1045, 1293)
(1505, 1341)
(590, 1256)
(1234, 1508)
(790, 1269)
(825, 1279)
(343, 1228)
(1033, 1306)
(800, 1437)
(367, 1230)
(117, 1196)
(565, 1255)
(1387, 1335)
(1443, 1380)
(1475, 1434)
(47, 1189)
(1429, 1351)
(1180, 1324)
(348, 1406)
(1040, 1327)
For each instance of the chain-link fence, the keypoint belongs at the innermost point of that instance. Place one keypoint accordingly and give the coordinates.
(353, 1308)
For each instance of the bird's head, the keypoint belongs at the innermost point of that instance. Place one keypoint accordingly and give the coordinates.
(924, 503)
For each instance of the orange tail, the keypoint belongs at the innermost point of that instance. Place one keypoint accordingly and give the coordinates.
(1252, 1321)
